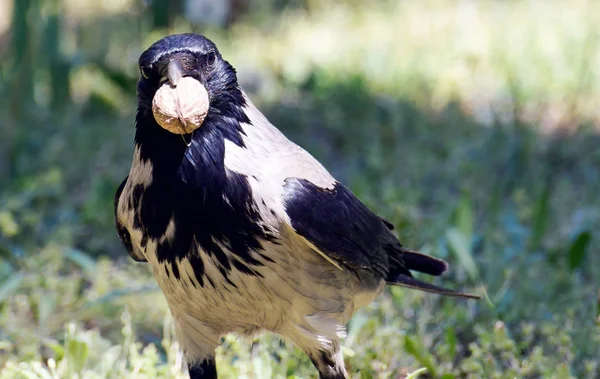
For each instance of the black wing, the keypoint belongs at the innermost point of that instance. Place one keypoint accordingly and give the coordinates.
(338, 224)
(121, 230)
(344, 229)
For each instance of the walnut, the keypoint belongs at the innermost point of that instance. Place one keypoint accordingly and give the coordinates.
(181, 109)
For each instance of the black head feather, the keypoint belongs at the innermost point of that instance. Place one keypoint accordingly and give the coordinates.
(199, 59)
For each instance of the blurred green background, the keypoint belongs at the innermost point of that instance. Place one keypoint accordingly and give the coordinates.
(472, 125)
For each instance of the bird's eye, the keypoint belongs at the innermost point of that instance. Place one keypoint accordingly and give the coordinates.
(145, 71)
(210, 58)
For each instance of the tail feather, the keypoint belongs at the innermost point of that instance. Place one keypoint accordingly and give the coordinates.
(408, 281)
(415, 261)
(403, 261)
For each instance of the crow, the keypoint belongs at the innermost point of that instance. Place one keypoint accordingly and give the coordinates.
(244, 230)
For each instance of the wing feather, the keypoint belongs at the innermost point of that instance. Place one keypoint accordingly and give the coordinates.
(338, 224)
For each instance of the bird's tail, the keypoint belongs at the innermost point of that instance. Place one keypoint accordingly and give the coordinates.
(410, 282)
(414, 261)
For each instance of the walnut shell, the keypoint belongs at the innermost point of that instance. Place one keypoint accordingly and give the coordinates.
(181, 109)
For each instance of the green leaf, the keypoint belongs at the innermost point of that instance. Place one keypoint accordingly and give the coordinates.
(8, 225)
(78, 353)
(462, 248)
(451, 341)
(578, 250)
(421, 355)
(57, 348)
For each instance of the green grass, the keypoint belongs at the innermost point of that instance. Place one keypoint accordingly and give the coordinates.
(472, 126)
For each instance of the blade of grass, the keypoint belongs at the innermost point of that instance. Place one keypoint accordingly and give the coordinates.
(578, 250)
(10, 286)
(415, 374)
(461, 247)
(420, 354)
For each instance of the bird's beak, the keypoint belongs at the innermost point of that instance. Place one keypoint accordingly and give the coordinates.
(174, 72)
(181, 104)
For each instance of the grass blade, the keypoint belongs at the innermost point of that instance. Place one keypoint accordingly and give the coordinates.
(422, 356)
(10, 286)
(415, 374)
(461, 247)
(578, 250)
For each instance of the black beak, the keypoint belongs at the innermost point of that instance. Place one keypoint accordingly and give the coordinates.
(174, 72)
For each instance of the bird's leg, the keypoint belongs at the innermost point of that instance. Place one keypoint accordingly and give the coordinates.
(207, 369)
(319, 339)
(329, 362)
(198, 342)
(325, 355)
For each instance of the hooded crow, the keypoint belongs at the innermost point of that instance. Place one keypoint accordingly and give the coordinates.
(244, 230)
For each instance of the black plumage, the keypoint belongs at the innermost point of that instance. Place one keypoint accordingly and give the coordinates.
(346, 230)
(245, 230)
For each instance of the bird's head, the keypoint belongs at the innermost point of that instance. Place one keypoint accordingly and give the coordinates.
(184, 80)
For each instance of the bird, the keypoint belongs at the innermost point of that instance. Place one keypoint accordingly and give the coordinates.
(244, 230)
